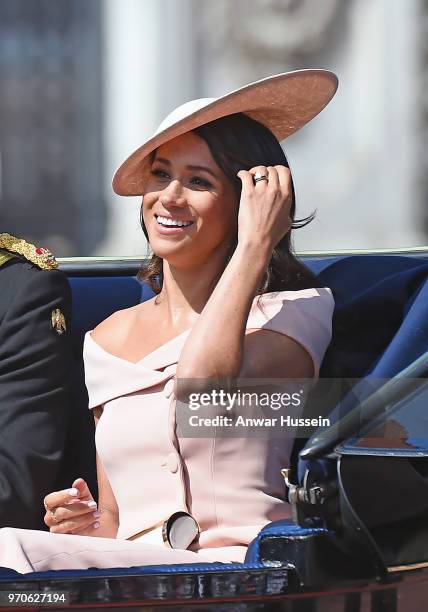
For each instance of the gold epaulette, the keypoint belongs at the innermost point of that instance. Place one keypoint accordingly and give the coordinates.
(39, 256)
(4, 257)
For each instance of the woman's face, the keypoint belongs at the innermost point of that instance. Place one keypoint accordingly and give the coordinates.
(189, 207)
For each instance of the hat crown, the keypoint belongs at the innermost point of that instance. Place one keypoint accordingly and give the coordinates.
(283, 103)
(183, 111)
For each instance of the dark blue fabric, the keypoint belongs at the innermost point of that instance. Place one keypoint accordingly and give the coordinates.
(380, 324)
(96, 298)
(381, 315)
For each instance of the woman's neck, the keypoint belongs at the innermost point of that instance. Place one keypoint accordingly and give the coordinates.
(186, 290)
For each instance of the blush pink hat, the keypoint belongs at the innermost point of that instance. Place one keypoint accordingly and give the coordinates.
(283, 103)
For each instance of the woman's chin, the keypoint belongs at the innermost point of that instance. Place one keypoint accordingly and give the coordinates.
(170, 252)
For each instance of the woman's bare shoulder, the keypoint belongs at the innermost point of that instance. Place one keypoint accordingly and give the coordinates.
(111, 333)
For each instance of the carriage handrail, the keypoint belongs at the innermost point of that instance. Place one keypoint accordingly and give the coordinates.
(393, 390)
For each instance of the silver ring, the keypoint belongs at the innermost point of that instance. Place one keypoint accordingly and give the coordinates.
(260, 177)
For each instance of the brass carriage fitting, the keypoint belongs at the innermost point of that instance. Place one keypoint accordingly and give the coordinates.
(299, 495)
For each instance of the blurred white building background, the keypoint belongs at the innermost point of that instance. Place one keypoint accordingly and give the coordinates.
(104, 73)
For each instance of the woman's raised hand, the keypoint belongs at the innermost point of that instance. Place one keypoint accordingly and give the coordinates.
(72, 510)
(264, 209)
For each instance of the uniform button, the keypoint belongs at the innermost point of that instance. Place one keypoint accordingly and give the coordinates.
(172, 463)
(169, 388)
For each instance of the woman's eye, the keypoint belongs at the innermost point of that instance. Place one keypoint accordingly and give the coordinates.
(200, 182)
(160, 173)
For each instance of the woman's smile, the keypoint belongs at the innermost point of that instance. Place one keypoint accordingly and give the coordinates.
(168, 225)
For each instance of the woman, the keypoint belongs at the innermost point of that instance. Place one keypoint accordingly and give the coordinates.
(231, 301)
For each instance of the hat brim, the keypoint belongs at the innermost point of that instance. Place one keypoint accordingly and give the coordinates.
(283, 103)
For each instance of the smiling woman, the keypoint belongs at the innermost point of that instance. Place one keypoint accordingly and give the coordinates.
(232, 301)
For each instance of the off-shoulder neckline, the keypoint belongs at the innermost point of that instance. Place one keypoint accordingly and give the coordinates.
(186, 331)
(88, 335)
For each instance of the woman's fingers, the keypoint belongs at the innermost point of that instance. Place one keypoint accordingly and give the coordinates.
(60, 498)
(77, 523)
(284, 177)
(264, 210)
(73, 517)
(258, 174)
(83, 489)
(79, 491)
(278, 180)
(69, 503)
(64, 513)
(88, 530)
(273, 182)
(247, 179)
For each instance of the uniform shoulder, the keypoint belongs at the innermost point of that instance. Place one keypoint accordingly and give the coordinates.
(31, 299)
(13, 247)
(20, 276)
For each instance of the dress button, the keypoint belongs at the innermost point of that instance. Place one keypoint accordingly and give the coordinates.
(172, 463)
(169, 388)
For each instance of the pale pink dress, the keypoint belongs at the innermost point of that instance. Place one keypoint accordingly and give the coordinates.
(232, 486)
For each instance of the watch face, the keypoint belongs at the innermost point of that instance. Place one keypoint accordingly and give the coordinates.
(180, 530)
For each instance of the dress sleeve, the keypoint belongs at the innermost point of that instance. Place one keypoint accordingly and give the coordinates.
(108, 377)
(93, 364)
(305, 316)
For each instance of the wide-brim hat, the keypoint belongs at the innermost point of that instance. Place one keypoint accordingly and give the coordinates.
(283, 103)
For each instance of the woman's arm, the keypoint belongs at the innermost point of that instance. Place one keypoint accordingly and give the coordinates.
(214, 348)
(107, 505)
(74, 510)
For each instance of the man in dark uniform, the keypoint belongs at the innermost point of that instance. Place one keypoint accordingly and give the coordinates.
(36, 368)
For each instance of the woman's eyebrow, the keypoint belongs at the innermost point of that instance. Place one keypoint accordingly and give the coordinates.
(203, 169)
(162, 160)
(165, 161)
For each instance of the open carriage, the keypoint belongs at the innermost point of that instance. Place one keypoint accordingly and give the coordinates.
(359, 489)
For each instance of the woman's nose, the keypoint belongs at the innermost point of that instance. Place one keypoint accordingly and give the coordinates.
(172, 195)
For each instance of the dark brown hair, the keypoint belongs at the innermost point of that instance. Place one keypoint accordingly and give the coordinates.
(237, 142)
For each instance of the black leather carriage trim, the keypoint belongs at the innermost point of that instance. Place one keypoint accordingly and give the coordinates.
(183, 583)
(313, 556)
(284, 529)
(7, 574)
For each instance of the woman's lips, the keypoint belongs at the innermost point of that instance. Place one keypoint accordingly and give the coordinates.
(171, 230)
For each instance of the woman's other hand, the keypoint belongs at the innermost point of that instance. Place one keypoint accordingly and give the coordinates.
(72, 510)
(264, 209)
